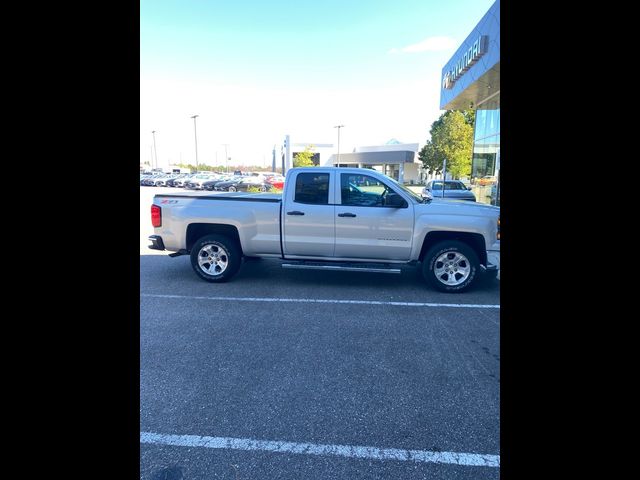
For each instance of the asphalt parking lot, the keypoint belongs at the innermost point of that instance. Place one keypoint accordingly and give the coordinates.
(294, 374)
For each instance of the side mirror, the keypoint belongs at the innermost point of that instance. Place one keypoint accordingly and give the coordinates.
(468, 188)
(394, 200)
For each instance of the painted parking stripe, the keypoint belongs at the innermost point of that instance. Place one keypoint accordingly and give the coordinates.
(311, 300)
(467, 459)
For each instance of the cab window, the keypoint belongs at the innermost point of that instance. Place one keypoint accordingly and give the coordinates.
(312, 188)
(362, 190)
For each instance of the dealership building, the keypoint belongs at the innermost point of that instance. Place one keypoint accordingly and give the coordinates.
(471, 80)
(396, 159)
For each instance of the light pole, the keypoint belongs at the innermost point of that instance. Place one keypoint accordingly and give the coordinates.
(196, 136)
(226, 157)
(338, 127)
(154, 146)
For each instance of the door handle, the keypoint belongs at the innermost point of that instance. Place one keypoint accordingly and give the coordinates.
(295, 212)
(347, 214)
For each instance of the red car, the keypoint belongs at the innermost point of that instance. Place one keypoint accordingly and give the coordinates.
(277, 182)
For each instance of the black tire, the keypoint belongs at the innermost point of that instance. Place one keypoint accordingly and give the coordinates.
(233, 189)
(219, 269)
(455, 276)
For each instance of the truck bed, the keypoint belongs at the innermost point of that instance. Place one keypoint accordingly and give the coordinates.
(255, 216)
(244, 196)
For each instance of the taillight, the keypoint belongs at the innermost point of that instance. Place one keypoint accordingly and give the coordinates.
(156, 216)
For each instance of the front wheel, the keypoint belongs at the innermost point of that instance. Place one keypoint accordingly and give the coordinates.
(233, 189)
(215, 258)
(450, 266)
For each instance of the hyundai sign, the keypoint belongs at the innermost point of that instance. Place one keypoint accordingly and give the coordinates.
(466, 61)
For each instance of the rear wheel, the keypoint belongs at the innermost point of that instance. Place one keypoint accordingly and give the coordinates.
(450, 266)
(215, 258)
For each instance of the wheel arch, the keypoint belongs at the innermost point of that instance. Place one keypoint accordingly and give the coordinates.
(199, 230)
(474, 240)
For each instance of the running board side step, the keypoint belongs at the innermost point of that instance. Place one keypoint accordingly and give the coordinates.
(344, 266)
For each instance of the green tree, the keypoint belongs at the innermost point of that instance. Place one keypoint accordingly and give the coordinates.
(430, 158)
(451, 138)
(304, 159)
(469, 116)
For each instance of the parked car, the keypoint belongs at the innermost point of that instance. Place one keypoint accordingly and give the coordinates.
(176, 180)
(487, 180)
(226, 186)
(277, 181)
(453, 189)
(251, 182)
(182, 182)
(161, 180)
(196, 181)
(150, 179)
(154, 180)
(210, 184)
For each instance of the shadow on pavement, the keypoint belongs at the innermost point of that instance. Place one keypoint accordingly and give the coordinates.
(266, 277)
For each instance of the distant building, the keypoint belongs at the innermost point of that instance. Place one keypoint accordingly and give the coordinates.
(320, 151)
(395, 159)
(288, 151)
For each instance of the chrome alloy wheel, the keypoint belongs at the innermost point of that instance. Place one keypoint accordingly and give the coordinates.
(452, 268)
(213, 259)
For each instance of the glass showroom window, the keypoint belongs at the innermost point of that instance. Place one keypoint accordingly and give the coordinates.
(485, 165)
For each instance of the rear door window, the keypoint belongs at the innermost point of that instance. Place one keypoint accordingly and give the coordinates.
(312, 188)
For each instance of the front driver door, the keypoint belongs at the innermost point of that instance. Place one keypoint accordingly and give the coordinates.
(365, 227)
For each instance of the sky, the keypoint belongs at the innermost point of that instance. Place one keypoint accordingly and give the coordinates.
(255, 70)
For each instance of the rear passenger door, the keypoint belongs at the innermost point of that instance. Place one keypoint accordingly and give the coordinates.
(309, 215)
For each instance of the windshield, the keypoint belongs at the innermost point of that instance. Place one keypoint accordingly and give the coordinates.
(411, 193)
(448, 186)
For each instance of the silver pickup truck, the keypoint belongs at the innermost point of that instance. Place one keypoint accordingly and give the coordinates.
(334, 219)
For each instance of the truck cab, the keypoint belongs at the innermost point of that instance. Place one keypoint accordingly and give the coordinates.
(349, 214)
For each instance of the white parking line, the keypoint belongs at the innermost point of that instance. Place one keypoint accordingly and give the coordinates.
(467, 459)
(311, 300)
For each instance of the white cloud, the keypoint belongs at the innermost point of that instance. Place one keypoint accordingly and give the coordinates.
(431, 44)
